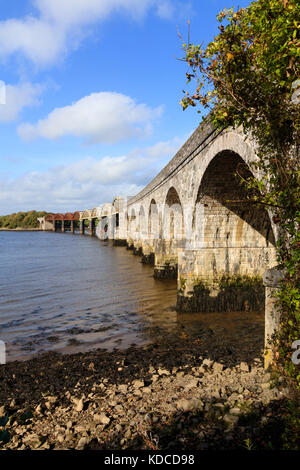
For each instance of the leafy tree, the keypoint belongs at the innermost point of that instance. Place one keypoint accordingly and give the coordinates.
(21, 220)
(249, 76)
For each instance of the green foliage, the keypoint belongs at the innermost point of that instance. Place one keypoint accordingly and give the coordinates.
(247, 76)
(24, 220)
(248, 444)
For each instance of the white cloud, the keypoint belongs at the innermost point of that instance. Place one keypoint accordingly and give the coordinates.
(165, 9)
(86, 183)
(100, 117)
(16, 98)
(175, 9)
(80, 12)
(60, 25)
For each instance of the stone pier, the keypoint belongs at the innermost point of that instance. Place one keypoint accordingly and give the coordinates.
(220, 280)
(271, 279)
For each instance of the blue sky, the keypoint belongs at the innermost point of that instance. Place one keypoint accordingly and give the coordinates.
(92, 96)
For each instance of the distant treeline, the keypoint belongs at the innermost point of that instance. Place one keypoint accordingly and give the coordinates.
(21, 220)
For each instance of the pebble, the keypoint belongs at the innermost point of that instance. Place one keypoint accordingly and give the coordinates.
(244, 367)
(217, 367)
(163, 372)
(138, 383)
(79, 404)
(101, 419)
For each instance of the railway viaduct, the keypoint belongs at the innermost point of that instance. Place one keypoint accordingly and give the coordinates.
(194, 222)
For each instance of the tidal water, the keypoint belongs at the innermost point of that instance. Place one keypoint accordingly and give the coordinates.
(73, 293)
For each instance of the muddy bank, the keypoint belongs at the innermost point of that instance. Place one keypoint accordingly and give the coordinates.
(178, 395)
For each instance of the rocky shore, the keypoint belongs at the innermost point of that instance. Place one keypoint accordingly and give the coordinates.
(158, 397)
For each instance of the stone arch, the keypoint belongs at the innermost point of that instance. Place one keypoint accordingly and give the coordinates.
(95, 213)
(173, 217)
(86, 214)
(223, 216)
(142, 223)
(153, 220)
(131, 222)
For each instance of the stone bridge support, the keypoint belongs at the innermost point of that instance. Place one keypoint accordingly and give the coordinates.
(81, 227)
(222, 279)
(46, 225)
(271, 278)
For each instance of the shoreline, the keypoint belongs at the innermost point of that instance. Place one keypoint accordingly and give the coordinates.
(177, 394)
(21, 230)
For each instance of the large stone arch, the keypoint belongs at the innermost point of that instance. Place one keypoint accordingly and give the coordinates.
(86, 214)
(153, 220)
(173, 216)
(142, 223)
(131, 225)
(223, 215)
(233, 241)
(96, 213)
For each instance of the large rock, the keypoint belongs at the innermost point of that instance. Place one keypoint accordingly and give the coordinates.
(33, 441)
(101, 418)
(217, 367)
(193, 404)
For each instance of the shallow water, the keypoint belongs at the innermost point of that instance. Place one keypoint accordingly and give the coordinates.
(74, 293)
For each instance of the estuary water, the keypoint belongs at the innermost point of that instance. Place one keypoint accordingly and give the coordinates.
(73, 293)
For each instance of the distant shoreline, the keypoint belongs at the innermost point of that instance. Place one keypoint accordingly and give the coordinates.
(20, 229)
